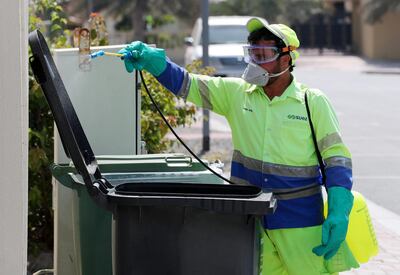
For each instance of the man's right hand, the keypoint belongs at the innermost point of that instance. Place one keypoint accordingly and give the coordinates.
(140, 56)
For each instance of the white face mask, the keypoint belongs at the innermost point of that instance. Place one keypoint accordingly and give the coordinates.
(255, 74)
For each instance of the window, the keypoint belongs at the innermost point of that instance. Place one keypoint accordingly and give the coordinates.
(228, 34)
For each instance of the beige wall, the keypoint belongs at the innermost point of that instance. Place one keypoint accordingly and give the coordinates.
(13, 136)
(384, 37)
(380, 40)
(356, 26)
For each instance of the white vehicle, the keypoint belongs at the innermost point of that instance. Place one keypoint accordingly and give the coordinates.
(227, 36)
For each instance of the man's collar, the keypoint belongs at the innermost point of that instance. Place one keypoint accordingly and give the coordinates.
(252, 88)
(293, 90)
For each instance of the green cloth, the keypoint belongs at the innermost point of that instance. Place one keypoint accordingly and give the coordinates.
(334, 229)
(289, 251)
(141, 56)
(253, 116)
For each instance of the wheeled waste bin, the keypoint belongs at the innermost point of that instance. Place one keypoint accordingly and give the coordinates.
(92, 225)
(160, 227)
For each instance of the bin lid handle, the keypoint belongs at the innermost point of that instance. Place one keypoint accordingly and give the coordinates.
(179, 161)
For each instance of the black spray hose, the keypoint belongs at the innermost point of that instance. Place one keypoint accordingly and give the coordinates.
(176, 135)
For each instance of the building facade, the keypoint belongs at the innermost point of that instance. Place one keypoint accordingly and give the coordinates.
(378, 40)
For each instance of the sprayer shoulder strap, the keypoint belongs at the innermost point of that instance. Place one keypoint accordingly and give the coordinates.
(314, 138)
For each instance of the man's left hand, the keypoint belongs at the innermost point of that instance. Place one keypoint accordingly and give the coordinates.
(334, 229)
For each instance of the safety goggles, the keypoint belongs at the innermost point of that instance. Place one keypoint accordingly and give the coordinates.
(263, 54)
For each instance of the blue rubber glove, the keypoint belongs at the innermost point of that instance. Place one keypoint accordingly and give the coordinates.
(334, 228)
(139, 56)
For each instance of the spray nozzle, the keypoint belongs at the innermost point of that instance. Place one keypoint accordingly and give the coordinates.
(129, 55)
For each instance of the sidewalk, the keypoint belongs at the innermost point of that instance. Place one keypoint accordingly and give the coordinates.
(340, 61)
(387, 229)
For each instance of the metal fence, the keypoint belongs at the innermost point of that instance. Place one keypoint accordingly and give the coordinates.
(325, 34)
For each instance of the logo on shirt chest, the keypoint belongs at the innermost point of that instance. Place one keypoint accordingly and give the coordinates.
(297, 117)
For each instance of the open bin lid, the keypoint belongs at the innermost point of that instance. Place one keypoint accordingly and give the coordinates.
(224, 198)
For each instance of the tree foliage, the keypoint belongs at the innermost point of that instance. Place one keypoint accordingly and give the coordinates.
(375, 10)
(283, 11)
(176, 112)
(134, 14)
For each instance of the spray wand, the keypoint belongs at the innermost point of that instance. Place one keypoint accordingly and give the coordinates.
(135, 54)
(120, 55)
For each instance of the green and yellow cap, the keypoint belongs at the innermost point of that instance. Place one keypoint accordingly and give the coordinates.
(286, 34)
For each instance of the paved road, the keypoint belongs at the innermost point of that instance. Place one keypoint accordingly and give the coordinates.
(367, 105)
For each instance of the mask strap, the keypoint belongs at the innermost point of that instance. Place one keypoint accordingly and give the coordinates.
(278, 74)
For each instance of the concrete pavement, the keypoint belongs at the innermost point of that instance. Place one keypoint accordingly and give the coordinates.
(387, 229)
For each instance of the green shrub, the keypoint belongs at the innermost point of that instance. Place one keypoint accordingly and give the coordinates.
(177, 113)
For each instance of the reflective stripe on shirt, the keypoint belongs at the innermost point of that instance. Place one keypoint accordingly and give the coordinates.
(338, 161)
(274, 168)
(329, 140)
(184, 90)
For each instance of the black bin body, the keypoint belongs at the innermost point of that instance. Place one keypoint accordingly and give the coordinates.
(184, 240)
(187, 228)
(161, 228)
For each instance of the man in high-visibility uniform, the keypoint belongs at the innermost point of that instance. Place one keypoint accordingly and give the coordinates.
(273, 146)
